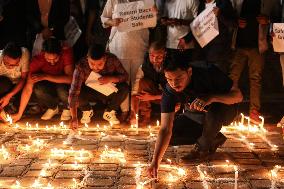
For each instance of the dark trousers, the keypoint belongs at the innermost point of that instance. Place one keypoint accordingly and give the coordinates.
(49, 94)
(187, 131)
(6, 86)
(113, 101)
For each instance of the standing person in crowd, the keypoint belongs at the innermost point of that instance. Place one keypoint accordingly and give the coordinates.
(279, 18)
(50, 77)
(149, 81)
(218, 51)
(14, 67)
(129, 47)
(47, 18)
(209, 97)
(178, 15)
(87, 14)
(251, 43)
(13, 22)
(111, 71)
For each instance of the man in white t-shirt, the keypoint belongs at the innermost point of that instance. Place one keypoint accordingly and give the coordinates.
(14, 67)
(178, 15)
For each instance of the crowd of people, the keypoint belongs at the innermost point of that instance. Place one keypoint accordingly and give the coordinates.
(196, 87)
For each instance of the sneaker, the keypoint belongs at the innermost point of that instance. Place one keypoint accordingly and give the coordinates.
(254, 117)
(3, 116)
(197, 153)
(111, 117)
(66, 115)
(49, 113)
(70, 138)
(219, 141)
(86, 117)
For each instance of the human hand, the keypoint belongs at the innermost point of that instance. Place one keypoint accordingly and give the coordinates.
(242, 23)
(74, 124)
(216, 11)
(1, 18)
(116, 21)
(145, 96)
(153, 170)
(4, 101)
(16, 117)
(199, 104)
(37, 77)
(262, 19)
(105, 80)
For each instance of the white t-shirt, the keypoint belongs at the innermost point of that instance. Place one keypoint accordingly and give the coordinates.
(15, 73)
(181, 9)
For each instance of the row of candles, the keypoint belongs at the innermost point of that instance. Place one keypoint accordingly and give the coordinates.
(245, 128)
(111, 155)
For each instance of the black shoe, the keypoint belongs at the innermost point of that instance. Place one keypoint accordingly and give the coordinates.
(197, 153)
(219, 141)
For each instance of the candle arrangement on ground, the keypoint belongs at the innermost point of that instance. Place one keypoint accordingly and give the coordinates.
(206, 175)
(82, 162)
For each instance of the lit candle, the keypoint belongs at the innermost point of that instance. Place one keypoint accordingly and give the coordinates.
(136, 116)
(158, 123)
(236, 177)
(242, 118)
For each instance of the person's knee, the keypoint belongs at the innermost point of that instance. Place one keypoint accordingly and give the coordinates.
(63, 92)
(223, 114)
(38, 89)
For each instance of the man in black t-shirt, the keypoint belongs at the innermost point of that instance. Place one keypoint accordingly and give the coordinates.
(208, 95)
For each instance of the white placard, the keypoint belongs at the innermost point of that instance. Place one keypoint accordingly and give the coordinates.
(72, 31)
(205, 26)
(136, 15)
(278, 39)
(106, 89)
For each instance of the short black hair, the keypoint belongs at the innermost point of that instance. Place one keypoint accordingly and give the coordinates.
(52, 45)
(175, 60)
(96, 51)
(12, 50)
(157, 45)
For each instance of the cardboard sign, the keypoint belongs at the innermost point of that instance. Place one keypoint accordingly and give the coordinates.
(136, 15)
(205, 26)
(278, 39)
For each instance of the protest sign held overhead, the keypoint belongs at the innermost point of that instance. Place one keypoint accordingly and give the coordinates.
(278, 39)
(205, 26)
(136, 15)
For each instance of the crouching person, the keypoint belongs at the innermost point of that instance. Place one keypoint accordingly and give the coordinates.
(49, 78)
(110, 71)
(209, 97)
(148, 84)
(14, 67)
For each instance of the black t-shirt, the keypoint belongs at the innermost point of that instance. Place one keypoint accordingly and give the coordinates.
(204, 81)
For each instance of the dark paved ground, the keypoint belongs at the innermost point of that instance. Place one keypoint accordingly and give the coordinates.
(33, 162)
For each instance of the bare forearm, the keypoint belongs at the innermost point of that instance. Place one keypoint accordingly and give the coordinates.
(162, 144)
(17, 88)
(59, 78)
(235, 96)
(25, 97)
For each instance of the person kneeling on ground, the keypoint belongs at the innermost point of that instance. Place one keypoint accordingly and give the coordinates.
(149, 81)
(50, 77)
(14, 67)
(208, 96)
(110, 70)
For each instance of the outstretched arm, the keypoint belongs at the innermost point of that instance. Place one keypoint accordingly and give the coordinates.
(162, 142)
